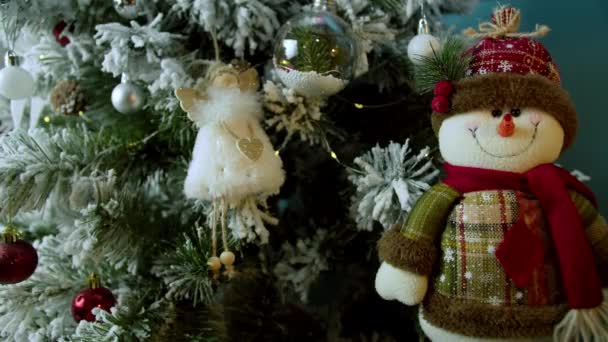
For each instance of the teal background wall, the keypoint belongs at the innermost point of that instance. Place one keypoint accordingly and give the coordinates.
(578, 43)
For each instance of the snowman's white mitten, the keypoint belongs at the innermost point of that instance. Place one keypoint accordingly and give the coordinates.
(407, 287)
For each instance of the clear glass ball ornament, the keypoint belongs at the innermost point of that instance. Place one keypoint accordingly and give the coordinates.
(128, 97)
(315, 54)
(15, 82)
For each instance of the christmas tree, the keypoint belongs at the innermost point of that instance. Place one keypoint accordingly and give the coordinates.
(102, 103)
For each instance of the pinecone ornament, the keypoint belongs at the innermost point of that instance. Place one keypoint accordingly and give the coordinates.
(68, 98)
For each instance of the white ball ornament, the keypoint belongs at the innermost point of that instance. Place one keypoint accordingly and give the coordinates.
(423, 44)
(15, 82)
(128, 97)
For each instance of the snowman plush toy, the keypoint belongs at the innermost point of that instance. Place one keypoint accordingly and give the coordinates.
(508, 247)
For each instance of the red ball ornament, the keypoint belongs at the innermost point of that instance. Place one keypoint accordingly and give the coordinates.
(95, 296)
(57, 30)
(18, 259)
(440, 104)
(444, 88)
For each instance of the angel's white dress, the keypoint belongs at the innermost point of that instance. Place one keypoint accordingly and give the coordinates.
(218, 169)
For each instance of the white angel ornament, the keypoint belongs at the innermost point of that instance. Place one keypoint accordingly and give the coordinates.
(232, 157)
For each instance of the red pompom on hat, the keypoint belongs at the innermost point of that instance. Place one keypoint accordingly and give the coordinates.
(510, 69)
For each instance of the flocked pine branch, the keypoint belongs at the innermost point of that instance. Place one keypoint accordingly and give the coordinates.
(34, 164)
(245, 26)
(175, 72)
(74, 60)
(184, 269)
(302, 263)
(296, 116)
(130, 321)
(137, 50)
(407, 8)
(173, 124)
(127, 225)
(388, 183)
(370, 23)
(38, 309)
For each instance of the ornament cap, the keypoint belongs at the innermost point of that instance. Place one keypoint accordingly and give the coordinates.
(11, 58)
(93, 281)
(423, 26)
(11, 234)
(124, 78)
(325, 5)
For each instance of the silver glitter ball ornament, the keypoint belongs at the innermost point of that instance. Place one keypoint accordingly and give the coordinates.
(128, 97)
(128, 9)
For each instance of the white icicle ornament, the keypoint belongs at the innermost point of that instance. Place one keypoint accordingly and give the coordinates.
(232, 157)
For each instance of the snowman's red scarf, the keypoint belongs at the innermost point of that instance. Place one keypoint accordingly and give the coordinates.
(522, 251)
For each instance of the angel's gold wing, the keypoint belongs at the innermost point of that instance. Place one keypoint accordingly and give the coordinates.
(188, 97)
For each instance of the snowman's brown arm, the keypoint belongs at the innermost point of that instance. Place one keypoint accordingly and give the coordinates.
(596, 229)
(412, 247)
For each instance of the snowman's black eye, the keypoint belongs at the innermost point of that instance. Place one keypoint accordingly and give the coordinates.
(496, 113)
(515, 112)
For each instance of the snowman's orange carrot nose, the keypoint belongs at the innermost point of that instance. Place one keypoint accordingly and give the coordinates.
(506, 128)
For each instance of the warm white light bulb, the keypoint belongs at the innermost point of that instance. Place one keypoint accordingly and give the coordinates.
(16, 83)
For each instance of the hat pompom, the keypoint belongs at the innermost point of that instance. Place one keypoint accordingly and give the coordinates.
(507, 18)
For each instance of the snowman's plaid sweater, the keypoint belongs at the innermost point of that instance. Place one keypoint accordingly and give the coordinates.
(470, 293)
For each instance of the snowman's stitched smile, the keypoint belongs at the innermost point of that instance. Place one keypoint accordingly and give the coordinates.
(474, 134)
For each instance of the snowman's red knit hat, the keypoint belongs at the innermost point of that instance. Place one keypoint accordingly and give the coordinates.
(510, 69)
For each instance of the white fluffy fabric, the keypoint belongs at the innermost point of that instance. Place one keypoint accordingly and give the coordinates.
(520, 152)
(226, 104)
(218, 169)
(437, 334)
(395, 284)
(311, 83)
